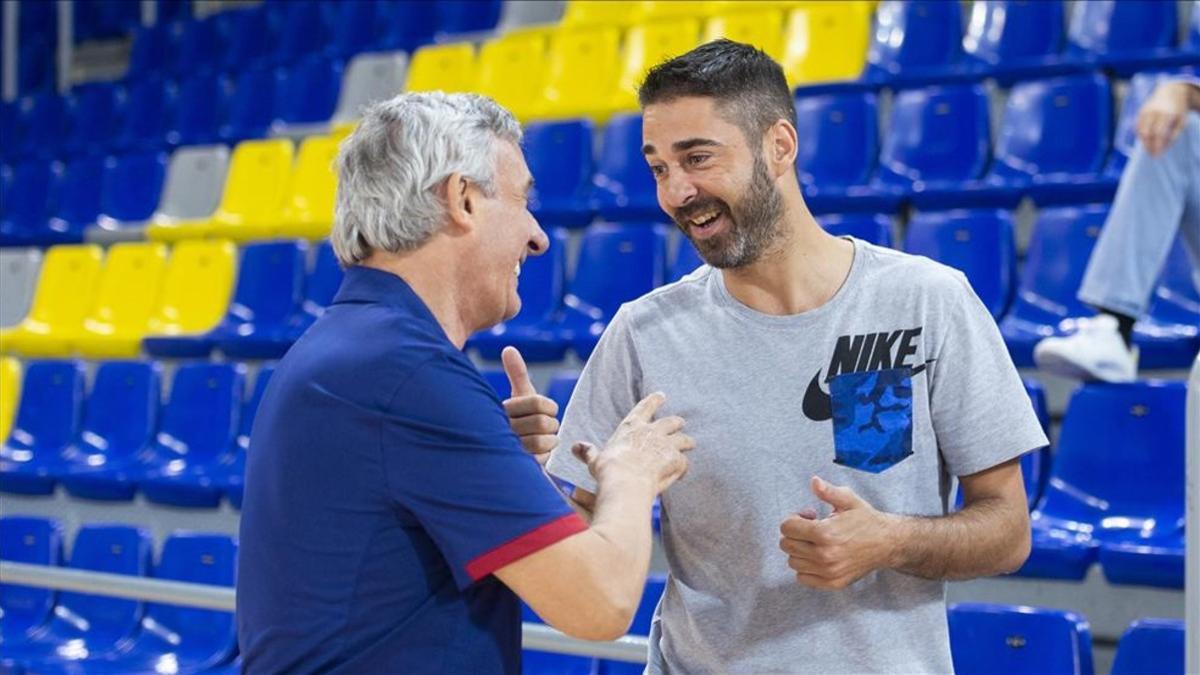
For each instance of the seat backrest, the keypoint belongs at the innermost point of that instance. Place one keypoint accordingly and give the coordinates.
(841, 135)
(197, 46)
(596, 13)
(252, 104)
(936, 134)
(1176, 298)
(312, 187)
(250, 406)
(270, 283)
(34, 541)
(512, 70)
(621, 172)
(517, 15)
(369, 78)
(467, 16)
(915, 34)
(49, 411)
(581, 70)
(647, 45)
(18, 279)
(826, 41)
(195, 288)
(205, 559)
(1062, 242)
(66, 285)
(122, 409)
(91, 118)
(408, 25)
(257, 181)
(195, 179)
(149, 108)
(10, 393)
(201, 108)
(980, 244)
(307, 92)
(30, 192)
(111, 549)
(127, 292)
(1108, 27)
(762, 28)
(245, 38)
(448, 67)
(199, 420)
(560, 158)
(151, 50)
(1001, 30)
(324, 281)
(1059, 125)
(619, 263)
(356, 27)
(132, 186)
(543, 278)
(79, 193)
(1151, 646)
(304, 30)
(987, 638)
(874, 228)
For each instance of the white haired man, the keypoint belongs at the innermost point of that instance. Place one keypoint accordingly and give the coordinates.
(392, 517)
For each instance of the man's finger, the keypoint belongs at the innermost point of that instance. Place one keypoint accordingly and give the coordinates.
(645, 410)
(530, 405)
(534, 425)
(670, 424)
(840, 498)
(540, 444)
(585, 452)
(518, 373)
(1171, 126)
(802, 529)
(684, 443)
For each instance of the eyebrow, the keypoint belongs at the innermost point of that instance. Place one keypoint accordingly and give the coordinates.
(684, 145)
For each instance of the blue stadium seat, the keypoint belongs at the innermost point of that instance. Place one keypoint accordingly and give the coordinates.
(303, 30)
(876, 229)
(120, 419)
(1151, 646)
(541, 290)
(92, 113)
(151, 52)
(245, 37)
(36, 61)
(624, 188)
(979, 243)
(915, 42)
(23, 609)
(251, 105)
(200, 111)
(837, 158)
(1168, 336)
(190, 639)
(149, 107)
(1035, 465)
(1124, 36)
(358, 27)
(307, 92)
(1062, 242)
(686, 260)
(407, 25)
(88, 624)
(197, 47)
(199, 428)
(104, 19)
(560, 388)
(47, 420)
(30, 188)
(937, 139)
(1125, 135)
(988, 639)
(233, 472)
(272, 336)
(41, 120)
(560, 158)
(269, 287)
(131, 187)
(1117, 476)
(467, 16)
(1192, 45)
(1013, 39)
(9, 128)
(1152, 561)
(78, 203)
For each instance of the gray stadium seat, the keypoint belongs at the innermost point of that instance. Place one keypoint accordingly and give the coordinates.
(18, 279)
(521, 13)
(369, 78)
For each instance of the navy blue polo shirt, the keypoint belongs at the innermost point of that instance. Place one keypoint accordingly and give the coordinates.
(384, 485)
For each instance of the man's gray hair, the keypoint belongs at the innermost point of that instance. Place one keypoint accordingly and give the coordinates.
(391, 168)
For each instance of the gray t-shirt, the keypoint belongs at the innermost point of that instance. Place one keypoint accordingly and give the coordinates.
(894, 386)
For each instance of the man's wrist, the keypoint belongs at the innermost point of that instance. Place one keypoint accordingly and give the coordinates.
(897, 534)
(616, 478)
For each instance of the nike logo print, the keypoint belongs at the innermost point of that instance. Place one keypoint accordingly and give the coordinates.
(818, 406)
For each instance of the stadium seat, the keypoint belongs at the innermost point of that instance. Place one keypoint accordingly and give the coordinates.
(466, 16)
(261, 321)
(560, 388)
(837, 159)
(88, 624)
(150, 53)
(41, 120)
(369, 78)
(580, 13)
(129, 194)
(78, 203)
(252, 198)
(875, 229)
(937, 139)
(125, 299)
(1124, 36)
(1117, 477)
(304, 30)
(448, 67)
(686, 260)
(647, 45)
(143, 124)
(541, 290)
(915, 42)
(529, 16)
(1168, 335)
(761, 28)
(1014, 39)
(826, 42)
(46, 422)
(581, 74)
(988, 639)
(120, 418)
(623, 187)
(560, 158)
(231, 471)
(63, 298)
(23, 609)
(18, 280)
(306, 94)
(200, 110)
(512, 70)
(190, 639)
(194, 183)
(195, 290)
(30, 189)
(198, 45)
(356, 27)
(1192, 45)
(10, 393)
(1151, 646)
(312, 188)
(245, 36)
(408, 25)
(251, 107)
(1156, 560)
(1045, 304)
(1125, 135)
(981, 244)
(92, 113)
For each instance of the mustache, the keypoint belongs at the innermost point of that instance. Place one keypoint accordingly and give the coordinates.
(684, 214)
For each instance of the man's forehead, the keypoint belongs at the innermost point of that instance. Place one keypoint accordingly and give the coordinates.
(670, 123)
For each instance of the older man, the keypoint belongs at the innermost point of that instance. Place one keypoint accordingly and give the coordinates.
(391, 511)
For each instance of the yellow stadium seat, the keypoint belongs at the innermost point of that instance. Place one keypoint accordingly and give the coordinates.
(63, 298)
(582, 74)
(512, 70)
(826, 42)
(10, 393)
(449, 68)
(600, 12)
(196, 287)
(125, 298)
(763, 29)
(308, 207)
(647, 45)
(667, 10)
(731, 6)
(341, 130)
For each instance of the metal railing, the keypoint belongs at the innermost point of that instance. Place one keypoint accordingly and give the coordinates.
(630, 648)
(1191, 584)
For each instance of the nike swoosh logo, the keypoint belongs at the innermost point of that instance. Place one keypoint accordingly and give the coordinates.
(818, 406)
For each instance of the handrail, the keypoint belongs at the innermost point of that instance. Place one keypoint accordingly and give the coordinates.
(1192, 527)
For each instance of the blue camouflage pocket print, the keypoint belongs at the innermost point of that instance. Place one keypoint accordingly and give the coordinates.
(872, 418)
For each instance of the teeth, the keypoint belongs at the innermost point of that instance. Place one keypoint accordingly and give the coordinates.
(705, 217)
(517, 270)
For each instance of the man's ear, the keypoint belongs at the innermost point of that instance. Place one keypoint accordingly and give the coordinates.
(781, 145)
(460, 204)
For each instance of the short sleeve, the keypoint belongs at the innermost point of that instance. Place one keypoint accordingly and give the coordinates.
(454, 463)
(608, 388)
(981, 413)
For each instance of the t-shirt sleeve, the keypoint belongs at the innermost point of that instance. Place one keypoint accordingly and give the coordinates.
(453, 462)
(607, 390)
(981, 413)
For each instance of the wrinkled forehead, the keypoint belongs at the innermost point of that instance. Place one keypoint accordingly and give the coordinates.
(674, 126)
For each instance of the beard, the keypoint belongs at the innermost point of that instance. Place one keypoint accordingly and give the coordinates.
(754, 222)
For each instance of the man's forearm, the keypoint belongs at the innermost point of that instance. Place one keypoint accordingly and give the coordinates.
(986, 537)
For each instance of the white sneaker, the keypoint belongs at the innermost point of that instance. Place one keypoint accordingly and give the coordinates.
(1094, 352)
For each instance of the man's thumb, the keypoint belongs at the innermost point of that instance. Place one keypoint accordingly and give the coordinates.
(518, 373)
(840, 498)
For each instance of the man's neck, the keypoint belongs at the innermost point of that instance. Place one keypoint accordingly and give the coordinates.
(434, 284)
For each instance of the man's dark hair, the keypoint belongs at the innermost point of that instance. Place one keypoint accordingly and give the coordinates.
(749, 86)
